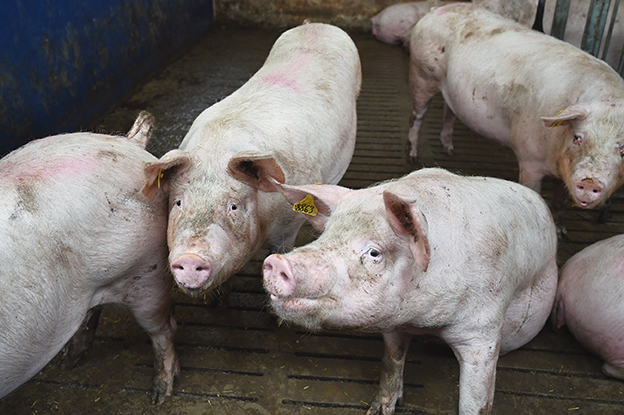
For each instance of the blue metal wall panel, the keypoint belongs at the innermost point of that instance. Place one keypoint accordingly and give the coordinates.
(65, 62)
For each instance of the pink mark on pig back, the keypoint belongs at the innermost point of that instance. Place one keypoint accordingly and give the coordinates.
(283, 80)
(289, 73)
(59, 168)
(440, 12)
(529, 37)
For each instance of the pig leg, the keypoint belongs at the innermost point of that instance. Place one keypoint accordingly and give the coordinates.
(391, 383)
(477, 373)
(530, 176)
(423, 89)
(446, 135)
(156, 317)
(82, 341)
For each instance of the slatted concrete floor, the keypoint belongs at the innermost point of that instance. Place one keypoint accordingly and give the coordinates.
(238, 360)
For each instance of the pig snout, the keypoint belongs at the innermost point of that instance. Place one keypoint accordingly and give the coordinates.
(587, 192)
(278, 276)
(191, 271)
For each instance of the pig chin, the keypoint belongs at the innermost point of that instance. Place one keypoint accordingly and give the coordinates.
(305, 312)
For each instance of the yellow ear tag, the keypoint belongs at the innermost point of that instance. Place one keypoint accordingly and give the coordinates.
(306, 206)
(160, 175)
(558, 122)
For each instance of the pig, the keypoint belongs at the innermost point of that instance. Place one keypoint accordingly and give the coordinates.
(559, 109)
(589, 301)
(294, 120)
(77, 232)
(394, 24)
(470, 260)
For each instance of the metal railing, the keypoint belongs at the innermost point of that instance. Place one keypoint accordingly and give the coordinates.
(594, 28)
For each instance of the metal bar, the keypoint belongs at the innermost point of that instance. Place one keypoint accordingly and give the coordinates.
(561, 17)
(616, 5)
(621, 65)
(596, 20)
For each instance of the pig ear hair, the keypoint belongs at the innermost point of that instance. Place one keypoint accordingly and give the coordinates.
(573, 112)
(158, 173)
(405, 219)
(324, 199)
(141, 131)
(256, 169)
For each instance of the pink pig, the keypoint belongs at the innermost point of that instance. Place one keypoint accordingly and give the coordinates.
(294, 120)
(76, 233)
(589, 301)
(468, 259)
(559, 109)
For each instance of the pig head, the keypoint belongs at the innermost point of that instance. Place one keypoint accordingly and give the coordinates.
(587, 149)
(212, 239)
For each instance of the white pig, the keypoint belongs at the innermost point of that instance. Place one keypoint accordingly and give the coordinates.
(394, 24)
(294, 120)
(77, 232)
(589, 301)
(559, 109)
(468, 259)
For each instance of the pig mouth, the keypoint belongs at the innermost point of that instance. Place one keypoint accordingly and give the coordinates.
(302, 309)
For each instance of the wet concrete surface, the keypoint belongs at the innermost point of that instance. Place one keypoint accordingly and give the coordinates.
(237, 359)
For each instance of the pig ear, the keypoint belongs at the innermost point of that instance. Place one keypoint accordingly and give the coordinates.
(315, 201)
(256, 169)
(141, 131)
(573, 112)
(159, 173)
(406, 221)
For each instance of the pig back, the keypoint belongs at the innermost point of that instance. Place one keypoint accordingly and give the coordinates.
(72, 220)
(300, 107)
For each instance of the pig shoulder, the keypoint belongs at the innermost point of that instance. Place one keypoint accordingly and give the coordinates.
(507, 224)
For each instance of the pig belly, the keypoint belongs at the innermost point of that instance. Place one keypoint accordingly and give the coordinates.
(477, 113)
(528, 312)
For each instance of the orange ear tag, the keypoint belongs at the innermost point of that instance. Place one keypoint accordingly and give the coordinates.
(306, 206)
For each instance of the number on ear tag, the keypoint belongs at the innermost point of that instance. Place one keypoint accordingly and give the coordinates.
(306, 206)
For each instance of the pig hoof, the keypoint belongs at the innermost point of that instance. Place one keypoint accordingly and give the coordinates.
(562, 234)
(450, 151)
(161, 390)
(613, 371)
(412, 154)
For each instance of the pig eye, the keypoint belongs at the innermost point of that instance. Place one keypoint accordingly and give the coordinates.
(233, 207)
(578, 139)
(622, 150)
(374, 254)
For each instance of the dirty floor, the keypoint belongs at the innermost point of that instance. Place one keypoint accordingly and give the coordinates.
(237, 359)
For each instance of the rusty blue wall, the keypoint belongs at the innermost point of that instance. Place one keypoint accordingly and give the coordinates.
(65, 62)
